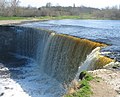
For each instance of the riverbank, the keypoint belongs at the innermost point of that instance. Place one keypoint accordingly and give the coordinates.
(15, 22)
(21, 20)
(103, 83)
(108, 83)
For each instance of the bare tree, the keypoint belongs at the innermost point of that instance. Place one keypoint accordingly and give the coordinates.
(2, 6)
(48, 5)
(14, 7)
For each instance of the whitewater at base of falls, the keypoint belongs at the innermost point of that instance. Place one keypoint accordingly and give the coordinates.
(28, 81)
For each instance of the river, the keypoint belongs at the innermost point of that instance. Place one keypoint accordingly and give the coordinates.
(105, 31)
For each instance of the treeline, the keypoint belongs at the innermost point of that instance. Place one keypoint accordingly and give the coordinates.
(9, 7)
(108, 13)
(12, 8)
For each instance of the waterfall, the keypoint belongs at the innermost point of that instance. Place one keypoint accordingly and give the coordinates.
(31, 42)
(89, 63)
(93, 61)
(44, 55)
(64, 54)
(58, 55)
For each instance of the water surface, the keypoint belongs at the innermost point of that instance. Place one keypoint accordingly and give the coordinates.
(106, 31)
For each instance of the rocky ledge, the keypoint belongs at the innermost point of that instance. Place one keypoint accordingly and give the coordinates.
(111, 77)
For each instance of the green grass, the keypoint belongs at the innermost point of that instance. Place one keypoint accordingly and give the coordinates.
(67, 17)
(40, 18)
(86, 16)
(12, 18)
(82, 16)
(57, 17)
(85, 89)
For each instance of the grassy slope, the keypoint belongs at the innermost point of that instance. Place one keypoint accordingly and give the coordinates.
(12, 18)
(82, 16)
(84, 89)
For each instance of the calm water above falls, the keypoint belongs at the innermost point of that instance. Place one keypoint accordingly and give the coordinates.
(107, 31)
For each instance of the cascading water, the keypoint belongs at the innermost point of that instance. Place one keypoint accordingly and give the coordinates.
(92, 62)
(89, 63)
(57, 55)
(53, 52)
(44, 52)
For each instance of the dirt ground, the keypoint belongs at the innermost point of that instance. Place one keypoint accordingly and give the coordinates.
(12, 22)
(107, 84)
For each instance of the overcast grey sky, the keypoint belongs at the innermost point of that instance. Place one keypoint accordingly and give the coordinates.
(88, 3)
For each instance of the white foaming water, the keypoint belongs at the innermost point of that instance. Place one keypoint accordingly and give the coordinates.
(27, 81)
(9, 87)
(88, 64)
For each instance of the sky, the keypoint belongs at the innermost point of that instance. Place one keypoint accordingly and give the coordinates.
(88, 3)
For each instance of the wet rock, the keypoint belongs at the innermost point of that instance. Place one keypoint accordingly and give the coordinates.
(4, 72)
(1, 94)
(8, 88)
(114, 65)
(82, 75)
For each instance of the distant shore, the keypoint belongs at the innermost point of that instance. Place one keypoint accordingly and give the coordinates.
(21, 20)
(15, 22)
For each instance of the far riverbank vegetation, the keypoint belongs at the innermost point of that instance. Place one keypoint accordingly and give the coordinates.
(12, 10)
